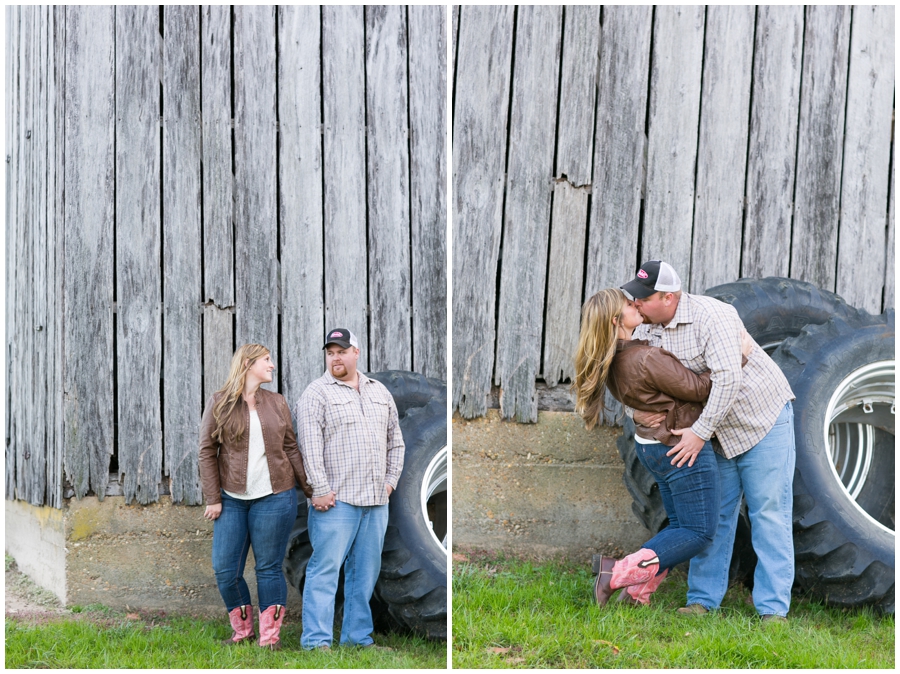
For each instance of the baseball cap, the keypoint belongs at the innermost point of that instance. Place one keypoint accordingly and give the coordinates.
(342, 337)
(653, 276)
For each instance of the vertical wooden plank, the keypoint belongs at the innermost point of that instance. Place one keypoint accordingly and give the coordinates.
(55, 334)
(217, 201)
(255, 178)
(820, 140)
(300, 184)
(453, 45)
(12, 228)
(479, 163)
(672, 143)
(387, 173)
(526, 225)
(24, 252)
(722, 149)
(182, 233)
(428, 183)
(90, 113)
(138, 291)
(574, 151)
(344, 103)
(37, 447)
(619, 147)
(578, 93)
(890, 256)
(773, 142)
(867, 154)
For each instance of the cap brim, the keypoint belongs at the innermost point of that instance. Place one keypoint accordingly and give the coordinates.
(343, 345)
(637, 289)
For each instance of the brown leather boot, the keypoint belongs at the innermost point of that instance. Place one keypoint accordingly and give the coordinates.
(602, 589)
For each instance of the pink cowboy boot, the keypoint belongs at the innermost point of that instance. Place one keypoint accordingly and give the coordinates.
(242, 623)
(640, 594)
(637, 568)
(270, 627)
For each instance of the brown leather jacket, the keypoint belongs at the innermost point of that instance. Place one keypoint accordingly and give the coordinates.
(654, 380)
(224, 466)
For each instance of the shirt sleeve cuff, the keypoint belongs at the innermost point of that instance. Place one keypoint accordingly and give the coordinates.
(702, 430)
(321, 491)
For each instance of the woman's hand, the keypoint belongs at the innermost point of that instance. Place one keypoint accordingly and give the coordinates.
(213, 512)
(323, 502)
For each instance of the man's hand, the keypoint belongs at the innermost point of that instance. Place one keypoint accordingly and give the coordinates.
(323, 503)
(747, 343)
(649, 419)
(687, 448)
(212, 512)
(390, 489)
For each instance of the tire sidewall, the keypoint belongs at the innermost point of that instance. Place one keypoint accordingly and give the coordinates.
(425, 435)
(813, 387)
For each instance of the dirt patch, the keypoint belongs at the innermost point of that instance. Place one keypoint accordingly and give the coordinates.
(25, 600)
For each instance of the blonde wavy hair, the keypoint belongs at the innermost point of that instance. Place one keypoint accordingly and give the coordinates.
(229, 422)
(596, 349)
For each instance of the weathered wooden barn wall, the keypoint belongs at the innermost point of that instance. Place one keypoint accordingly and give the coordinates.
(182, 180)
(730, 141)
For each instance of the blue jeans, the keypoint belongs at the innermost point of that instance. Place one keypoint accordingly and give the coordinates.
(347, 535)
(765, 476)
(265, 523)
(691, 498)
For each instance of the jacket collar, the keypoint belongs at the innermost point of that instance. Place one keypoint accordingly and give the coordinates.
(622, 344)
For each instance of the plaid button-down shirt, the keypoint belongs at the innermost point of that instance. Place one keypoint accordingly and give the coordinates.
(744, 403)
(350, 441)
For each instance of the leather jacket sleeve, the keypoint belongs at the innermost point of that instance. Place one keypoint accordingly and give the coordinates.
(666, 373)
(209, 453)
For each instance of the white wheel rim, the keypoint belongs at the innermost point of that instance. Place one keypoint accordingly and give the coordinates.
(435, 482)
(851, 444)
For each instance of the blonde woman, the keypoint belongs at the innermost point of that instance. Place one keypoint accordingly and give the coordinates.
(249, 463)
(650, 379)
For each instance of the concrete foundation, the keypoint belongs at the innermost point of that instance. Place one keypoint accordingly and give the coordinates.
(540, 490)
(152, 557)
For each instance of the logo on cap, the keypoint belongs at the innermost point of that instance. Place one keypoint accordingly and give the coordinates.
(336, 333)
(642, 274)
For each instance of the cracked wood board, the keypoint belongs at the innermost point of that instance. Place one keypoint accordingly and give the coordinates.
(672, 144)
(619, 147)
(303, 271)
(773, 142)
(479, 156)
(526, 223)
(182, 394)
(217, 202)
(387, 187)
(89, 179)
(568, 228)
(722, 149)
(344, 100)
(820, 140)
(428, 183)
(257, 297)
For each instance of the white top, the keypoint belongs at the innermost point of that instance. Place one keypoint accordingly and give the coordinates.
(259, 483)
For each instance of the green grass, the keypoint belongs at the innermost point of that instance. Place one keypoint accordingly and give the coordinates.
(102, 638)
(509, 613)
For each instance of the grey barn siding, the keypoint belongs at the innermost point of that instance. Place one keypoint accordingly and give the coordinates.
(732, 141)
(182, 180)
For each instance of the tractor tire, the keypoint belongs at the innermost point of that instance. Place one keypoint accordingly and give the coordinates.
(842, 373)
(411, 592)
(775, 308)
(413, 579)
